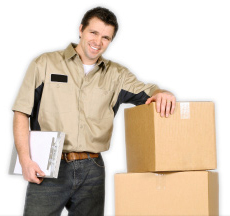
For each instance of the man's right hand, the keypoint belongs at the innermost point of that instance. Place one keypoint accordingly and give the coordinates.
(30, 169)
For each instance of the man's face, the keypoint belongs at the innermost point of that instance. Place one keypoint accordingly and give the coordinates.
(94, 41)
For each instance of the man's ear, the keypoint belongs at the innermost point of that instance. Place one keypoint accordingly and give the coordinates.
(80, 30)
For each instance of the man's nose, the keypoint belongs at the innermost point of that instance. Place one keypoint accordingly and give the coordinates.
(98, 40)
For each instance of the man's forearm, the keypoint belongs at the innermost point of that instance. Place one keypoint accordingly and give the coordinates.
(21, 135)
(159, 91)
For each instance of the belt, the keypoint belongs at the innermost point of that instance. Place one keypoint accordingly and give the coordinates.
(77, 156)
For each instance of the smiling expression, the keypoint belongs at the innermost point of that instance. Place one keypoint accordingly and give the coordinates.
(94, 41)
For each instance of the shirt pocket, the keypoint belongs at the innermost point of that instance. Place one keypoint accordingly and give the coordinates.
(98, 105)
(58, 97)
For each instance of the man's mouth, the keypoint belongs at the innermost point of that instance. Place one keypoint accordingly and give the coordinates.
(94, 48)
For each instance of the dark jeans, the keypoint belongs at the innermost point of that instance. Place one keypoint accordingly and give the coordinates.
(80, 187)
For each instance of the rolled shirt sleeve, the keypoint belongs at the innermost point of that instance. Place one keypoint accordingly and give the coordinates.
(133, 91)
(24, 101)
(139, 91)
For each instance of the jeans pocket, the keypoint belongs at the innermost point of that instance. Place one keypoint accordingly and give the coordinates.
(98, 161)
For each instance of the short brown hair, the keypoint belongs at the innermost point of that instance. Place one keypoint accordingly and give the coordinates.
(104, 15)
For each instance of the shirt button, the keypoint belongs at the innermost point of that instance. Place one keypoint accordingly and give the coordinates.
(58, 85)
(80, 145)
(81, 126)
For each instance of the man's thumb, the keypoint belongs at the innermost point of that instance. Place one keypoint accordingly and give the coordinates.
(151, 99)
(154, 98)
(40, 172)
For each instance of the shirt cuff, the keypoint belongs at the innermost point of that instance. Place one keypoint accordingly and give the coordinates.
(150, 91)
(22, 109)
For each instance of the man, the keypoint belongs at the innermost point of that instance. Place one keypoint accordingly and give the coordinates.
(78, 92)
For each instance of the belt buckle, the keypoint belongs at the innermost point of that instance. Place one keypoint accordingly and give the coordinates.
(65, 156)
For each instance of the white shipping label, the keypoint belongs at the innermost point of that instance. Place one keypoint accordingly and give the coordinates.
(160, 181)
(184, 110)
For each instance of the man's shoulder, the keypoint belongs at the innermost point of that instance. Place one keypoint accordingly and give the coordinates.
(114, 66)
(53, 56)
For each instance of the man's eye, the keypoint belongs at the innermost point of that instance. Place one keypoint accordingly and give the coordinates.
(93, 32)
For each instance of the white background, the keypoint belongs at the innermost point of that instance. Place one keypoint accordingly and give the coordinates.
(183, 46)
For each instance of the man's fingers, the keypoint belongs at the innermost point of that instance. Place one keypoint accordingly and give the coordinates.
(149, 100)
(158, 104)
(40, 180)
(40, 172)
(163, 105)
(30, 173)
(34, 179)
(37, 180)
(173, 106)
(168, 106)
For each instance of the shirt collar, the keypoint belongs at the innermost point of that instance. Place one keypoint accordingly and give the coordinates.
(71, 52)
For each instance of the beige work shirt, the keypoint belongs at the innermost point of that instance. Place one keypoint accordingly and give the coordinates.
(58, 96)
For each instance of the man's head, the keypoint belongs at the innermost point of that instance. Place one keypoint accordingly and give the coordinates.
(97, 30)
(105, 15)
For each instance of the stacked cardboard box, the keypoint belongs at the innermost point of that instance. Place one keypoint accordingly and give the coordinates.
(166, 161)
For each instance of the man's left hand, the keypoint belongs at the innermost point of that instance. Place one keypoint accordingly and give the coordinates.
(165, 102)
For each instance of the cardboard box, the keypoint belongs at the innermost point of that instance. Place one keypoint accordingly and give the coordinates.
(183, 141)
(193, 193)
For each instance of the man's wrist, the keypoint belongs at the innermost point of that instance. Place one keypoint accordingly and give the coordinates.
(160, 91)
(24, 160)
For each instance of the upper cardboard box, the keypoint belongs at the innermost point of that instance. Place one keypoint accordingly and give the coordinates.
(183, 141)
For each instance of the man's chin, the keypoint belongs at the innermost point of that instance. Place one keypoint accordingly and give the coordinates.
(93, 57)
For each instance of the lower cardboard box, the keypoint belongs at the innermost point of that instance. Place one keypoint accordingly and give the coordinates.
(192, 193)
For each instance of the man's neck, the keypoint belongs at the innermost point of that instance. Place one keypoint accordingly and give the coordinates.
(84, 60)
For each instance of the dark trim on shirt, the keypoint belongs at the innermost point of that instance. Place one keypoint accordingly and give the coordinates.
(128, 97)
(34, 124)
